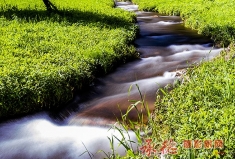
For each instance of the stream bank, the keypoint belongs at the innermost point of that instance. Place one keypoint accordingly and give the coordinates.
(165, 46)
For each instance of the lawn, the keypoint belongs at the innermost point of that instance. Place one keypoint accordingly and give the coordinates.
(202, 108)
(46, 57)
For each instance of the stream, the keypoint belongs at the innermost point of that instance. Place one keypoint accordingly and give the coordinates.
(166, 48)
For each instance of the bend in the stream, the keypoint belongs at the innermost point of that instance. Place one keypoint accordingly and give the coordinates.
(165, 46)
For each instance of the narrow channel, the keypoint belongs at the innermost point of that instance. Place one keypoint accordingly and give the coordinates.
(166, 47)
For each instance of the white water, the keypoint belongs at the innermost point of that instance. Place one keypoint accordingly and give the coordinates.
(38, 137)
(168, 22)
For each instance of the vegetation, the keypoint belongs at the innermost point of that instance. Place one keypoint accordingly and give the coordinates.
(202, 106)
(213, 18)
(45, 57)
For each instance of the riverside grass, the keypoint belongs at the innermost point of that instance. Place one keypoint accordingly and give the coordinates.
(213, 18)
(45, 57)
(203, 106)
(200, 107)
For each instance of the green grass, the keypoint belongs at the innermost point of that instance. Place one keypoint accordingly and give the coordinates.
(202, 107)
(45, 57)
(214, 18)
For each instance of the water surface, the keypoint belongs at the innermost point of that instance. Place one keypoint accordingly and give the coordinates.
(165, 47)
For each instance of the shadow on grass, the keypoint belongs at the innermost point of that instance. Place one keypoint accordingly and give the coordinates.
(71, 16)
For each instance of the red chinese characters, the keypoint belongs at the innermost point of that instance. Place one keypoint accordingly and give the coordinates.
(208, 144)
(149, 148)
(218, 144)
(169, 147)
(197, 144)
(187, 144)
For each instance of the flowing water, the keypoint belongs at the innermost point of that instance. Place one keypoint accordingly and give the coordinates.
(165, 47)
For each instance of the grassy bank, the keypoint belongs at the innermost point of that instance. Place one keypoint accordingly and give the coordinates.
(45, 56)
(203, 106)
(214, 18)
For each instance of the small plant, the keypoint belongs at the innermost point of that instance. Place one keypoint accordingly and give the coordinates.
(201, 109)
(195, 119)
(139, 127)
